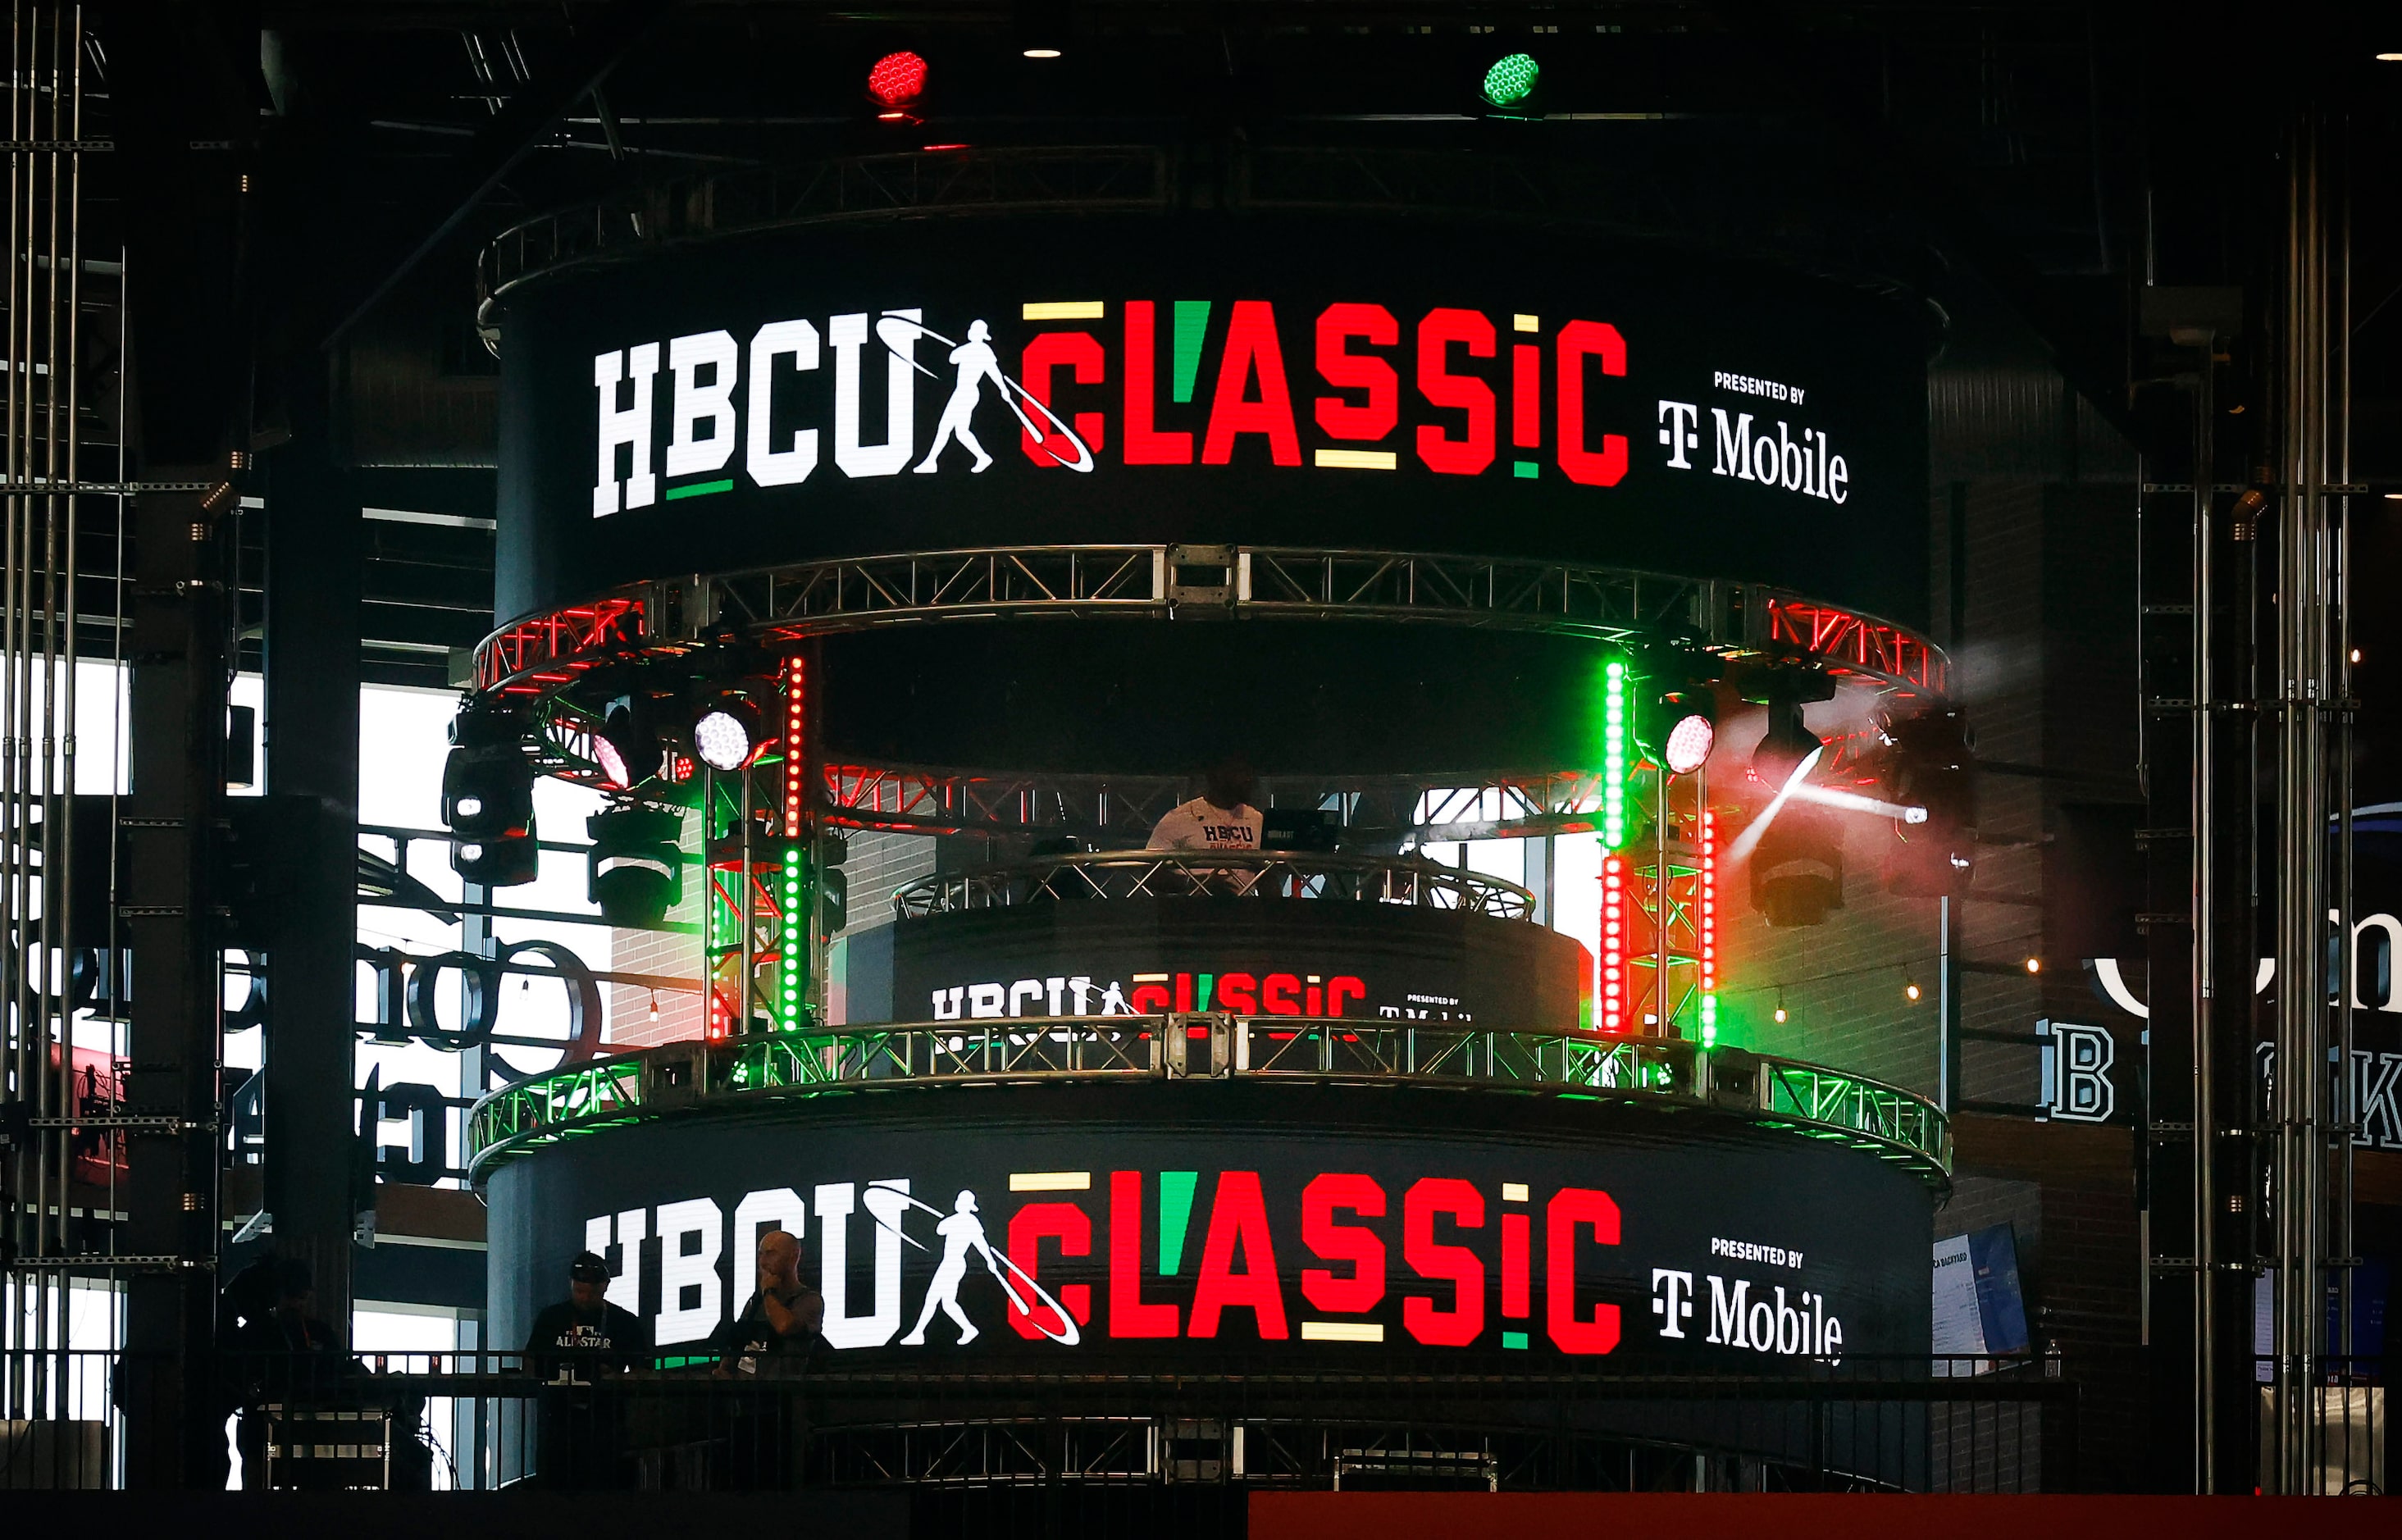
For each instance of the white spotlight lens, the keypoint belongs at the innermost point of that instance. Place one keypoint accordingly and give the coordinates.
(470, 807)
(1689, 744)
(1913, 815)
(612, 764)
(724, 742)
(471, 852)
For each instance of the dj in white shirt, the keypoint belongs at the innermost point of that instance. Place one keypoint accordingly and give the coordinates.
(1221, 819)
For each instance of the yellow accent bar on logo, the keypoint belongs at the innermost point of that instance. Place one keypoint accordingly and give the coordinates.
(1341, 1331)
(1049, 1181)
(1358, 459)
(1514, 1192)
(1525, 324)
(1062, 309)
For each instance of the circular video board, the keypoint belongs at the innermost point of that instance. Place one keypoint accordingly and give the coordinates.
(1266, 379)
(1066, 1226)
(1311, 958)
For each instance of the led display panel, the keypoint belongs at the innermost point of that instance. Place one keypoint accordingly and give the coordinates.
(1250, 378)
(1251, 956)
(1200, 1222)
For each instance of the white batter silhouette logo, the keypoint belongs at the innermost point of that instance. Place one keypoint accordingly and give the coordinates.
(975, 364)
(963, 1239)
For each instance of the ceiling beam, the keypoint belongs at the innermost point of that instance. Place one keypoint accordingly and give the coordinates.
(533, 115)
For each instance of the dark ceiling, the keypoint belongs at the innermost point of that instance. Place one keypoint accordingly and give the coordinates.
(2031, 168)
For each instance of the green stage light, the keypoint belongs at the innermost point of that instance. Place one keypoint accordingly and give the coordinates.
(1512, 80)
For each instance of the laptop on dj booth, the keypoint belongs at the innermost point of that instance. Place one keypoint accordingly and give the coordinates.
(1291, 828)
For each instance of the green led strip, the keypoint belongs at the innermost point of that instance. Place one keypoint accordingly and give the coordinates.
(789, 1007)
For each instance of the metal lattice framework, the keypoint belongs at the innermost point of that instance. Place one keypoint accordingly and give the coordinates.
(1876, 1119)
(1184, 874)
(788, 604)
(1465, 805)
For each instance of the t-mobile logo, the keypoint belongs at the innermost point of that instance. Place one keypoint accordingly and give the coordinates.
(1680, 431)
(1672, 1299)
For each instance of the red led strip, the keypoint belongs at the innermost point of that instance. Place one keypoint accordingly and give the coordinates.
(796, 742)
(1613, 943)
(1709, 906)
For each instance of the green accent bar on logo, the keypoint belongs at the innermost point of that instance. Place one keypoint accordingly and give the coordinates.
(1525, 469)
(1513, 1339)
(1192, 321)
(1175, 1215)
(1208, 982)
(699, 489)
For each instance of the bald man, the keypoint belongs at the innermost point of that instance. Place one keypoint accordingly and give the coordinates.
(776, 1330)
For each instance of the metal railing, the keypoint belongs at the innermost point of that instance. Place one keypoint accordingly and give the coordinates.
(1184, 874)
(468, 1421)
(682, 1079)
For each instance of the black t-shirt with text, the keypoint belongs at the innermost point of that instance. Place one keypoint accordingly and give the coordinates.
(610, 1334)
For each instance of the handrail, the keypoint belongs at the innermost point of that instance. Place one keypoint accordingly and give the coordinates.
(682, 1079)
(1196, 873)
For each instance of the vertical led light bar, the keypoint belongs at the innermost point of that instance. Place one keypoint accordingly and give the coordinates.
(796, 758)
(1613, 758)
(1613, 991)
(794, 887)
(1613, 943)
(795, 943)
(1709, 928)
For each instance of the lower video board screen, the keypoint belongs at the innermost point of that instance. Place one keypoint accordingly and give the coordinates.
(1251, 956)
(1043, 1227)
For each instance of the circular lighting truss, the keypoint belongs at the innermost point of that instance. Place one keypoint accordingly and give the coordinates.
(1512, 80)
(896, 81)
(1689, 744)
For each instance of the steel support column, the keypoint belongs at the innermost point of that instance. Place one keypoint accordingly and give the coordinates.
(312, 755)
(174, 1428)
(2310, 687)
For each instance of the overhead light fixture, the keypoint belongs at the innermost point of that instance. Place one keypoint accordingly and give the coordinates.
(488, 802)
(2035, 965)
(1934, 855)
(1042, 53)
(635, 871)
(1689, 744)
(1909, 990)
(627, 747)
(1676, 712)
(728, 732)
(1784, 744)
(1780, 1006)
(894, 83)
(2390, 57)
(1512, 79)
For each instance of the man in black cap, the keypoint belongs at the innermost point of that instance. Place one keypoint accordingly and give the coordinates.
(581, 1338)
(585, 1330)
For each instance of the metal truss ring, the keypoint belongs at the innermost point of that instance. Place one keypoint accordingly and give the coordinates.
(1810, 1100)
(1182, 875)
(783, 605)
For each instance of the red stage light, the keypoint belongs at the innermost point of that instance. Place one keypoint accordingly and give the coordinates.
(896, 81)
